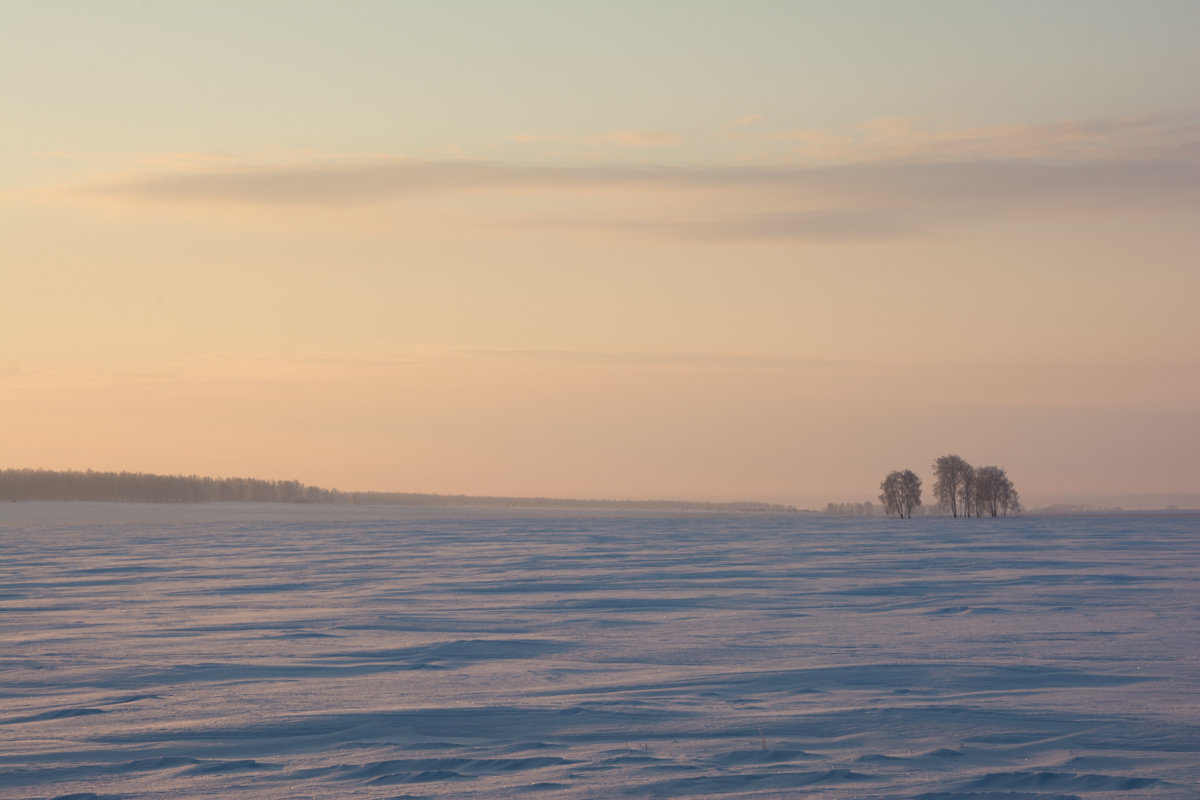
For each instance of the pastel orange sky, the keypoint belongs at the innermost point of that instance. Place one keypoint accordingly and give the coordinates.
(762, 251)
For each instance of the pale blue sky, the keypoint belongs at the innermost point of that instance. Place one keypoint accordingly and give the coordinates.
(404, 76)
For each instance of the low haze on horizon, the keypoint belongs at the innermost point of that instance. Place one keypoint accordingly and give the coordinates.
(702, 251)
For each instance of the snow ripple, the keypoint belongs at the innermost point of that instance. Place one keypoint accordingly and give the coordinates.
(252, 652)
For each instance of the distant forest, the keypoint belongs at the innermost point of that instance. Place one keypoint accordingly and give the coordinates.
(139, 487)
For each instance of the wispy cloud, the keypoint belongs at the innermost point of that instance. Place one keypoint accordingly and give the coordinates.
(374, 182)
(388, 365)
(645, 359)
(642, 138)
(742, 122)
(916, 181)
(938, 139)
(841, 225)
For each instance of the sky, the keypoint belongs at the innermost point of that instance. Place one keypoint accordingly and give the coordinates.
(672, 250)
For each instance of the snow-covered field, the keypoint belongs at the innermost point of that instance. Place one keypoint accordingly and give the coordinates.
(343, 652)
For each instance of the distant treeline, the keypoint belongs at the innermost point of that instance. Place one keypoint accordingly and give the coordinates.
(139, 487)
(869, 509)
(866, 509)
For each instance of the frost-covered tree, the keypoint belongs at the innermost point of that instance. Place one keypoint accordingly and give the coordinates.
(994, 492)
(966, 492)
(988, 483)
(900, 493)
(951, 473)
(1009, 500)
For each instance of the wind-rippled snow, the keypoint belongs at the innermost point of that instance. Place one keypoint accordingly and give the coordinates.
(359, 652)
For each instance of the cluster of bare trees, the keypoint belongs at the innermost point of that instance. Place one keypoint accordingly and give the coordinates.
(973, 491)
(961, 489)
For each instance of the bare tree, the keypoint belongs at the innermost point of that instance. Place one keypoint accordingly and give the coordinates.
(988, 483)
(951, 473)
(901, 493)
(1009, 499)
(966, 492)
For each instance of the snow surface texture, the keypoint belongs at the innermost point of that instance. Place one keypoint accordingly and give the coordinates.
(276, 652)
